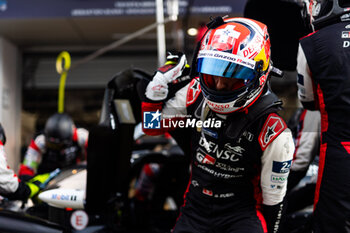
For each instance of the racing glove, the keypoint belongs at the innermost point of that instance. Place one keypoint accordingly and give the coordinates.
(157, 89)
(28, 189)
(35, 184)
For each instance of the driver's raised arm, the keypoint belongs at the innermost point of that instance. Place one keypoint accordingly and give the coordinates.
(157, 106)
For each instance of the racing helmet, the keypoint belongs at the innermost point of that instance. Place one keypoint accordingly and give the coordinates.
(320, 13)
(237, 49)
(59, 131)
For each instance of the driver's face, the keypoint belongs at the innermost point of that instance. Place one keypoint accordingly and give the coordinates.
(221, 83)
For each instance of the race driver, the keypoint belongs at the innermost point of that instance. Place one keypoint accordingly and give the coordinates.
(241, 149)
(324, 84)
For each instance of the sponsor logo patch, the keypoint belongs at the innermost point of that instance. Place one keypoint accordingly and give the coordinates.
(345, 34)
(235, 149)
(274, 125)
(208, 192)
(248, 135)
(229, 152)
(278, 179)
(195, 183)
(193, 92)
(64, 197)
(205, 159)
(224, 195)
(281, 167)
(210, 133)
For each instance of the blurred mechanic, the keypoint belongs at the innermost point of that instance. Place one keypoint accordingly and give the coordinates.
(324, 84)
(61, 145)
(10, 186)
(305, 126)
(242, 154)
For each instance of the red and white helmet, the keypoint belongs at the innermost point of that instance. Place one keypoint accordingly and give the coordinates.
(239, 49)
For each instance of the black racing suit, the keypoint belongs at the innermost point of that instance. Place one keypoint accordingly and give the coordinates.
(238, 170)
(324, 84)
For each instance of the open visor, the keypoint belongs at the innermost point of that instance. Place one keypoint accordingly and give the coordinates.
(225, 65)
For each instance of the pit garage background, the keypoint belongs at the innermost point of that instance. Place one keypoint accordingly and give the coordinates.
(33, 33)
